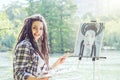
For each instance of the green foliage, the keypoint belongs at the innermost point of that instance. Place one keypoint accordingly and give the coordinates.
(6, 37)
(112, 34)
(62, 21)
(58, 14)
(8, 40)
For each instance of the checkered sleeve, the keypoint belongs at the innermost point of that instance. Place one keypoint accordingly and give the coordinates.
(21, 58)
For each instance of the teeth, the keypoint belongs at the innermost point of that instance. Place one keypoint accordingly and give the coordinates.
(36, 34)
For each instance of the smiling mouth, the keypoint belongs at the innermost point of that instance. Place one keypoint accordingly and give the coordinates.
(36, 34)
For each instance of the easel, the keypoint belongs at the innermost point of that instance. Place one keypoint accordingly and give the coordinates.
(93, 60)
(94, 56)
(93, 51)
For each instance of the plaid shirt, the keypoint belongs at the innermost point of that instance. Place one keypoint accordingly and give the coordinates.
(26, 61)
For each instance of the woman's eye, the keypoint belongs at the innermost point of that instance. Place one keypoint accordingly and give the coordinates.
(34, 27)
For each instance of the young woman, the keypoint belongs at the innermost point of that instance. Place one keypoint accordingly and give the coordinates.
(31, 55)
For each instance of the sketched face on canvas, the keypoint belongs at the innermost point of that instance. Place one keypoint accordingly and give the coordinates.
(89, 38)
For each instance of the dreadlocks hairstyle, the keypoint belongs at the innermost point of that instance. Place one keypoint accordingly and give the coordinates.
(26, 32)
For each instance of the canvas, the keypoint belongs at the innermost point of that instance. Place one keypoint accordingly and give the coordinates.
(89, 40)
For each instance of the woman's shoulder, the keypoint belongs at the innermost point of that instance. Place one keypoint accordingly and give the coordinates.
(24, 43)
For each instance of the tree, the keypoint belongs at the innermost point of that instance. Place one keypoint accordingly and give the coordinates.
(58, 14)
(5, 29)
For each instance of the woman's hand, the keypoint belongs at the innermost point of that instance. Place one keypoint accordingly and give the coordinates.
(60, 60)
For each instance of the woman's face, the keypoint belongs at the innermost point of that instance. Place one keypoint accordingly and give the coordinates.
(89, 37)
(37, 29)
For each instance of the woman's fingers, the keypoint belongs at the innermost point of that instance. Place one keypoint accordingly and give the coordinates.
(62, 59)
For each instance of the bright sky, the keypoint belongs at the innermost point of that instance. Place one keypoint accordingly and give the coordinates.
(94, 6)
(98, 6)
(6, 2)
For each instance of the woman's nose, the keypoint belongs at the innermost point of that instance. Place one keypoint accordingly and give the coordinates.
(37, 30)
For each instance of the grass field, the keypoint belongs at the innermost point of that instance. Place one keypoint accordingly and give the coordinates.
(73, 69)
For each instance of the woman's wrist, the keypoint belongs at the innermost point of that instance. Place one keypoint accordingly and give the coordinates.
(54, 66)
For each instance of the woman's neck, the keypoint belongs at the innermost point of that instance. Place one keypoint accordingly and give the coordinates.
(38, 44)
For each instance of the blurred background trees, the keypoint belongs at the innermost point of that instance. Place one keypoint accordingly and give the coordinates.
(63, 22)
